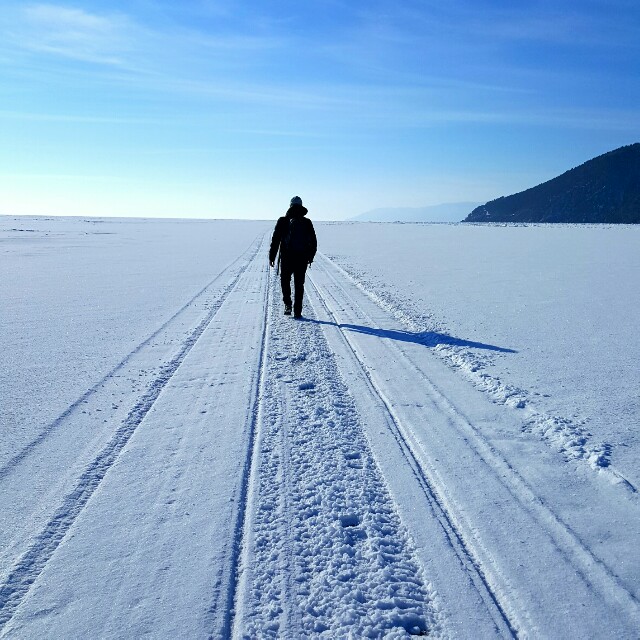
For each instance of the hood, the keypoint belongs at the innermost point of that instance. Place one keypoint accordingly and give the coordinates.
(297, 211)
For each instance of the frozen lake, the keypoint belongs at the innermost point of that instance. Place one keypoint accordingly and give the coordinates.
(447, 443)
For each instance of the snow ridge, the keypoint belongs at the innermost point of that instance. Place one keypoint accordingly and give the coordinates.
(569, 437)
(328, 555)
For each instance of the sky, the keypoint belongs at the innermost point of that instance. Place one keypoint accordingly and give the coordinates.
(226, 109)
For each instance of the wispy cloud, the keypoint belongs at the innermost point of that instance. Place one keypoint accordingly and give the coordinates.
(567, 118)
(75, 33)
(377, 109)
(63, 176)
(483, 42)
(76, 118)
(42, 36)
(216, 67)
(612, 22)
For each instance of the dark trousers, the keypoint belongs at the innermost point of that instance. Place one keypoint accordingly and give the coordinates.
(297, 269)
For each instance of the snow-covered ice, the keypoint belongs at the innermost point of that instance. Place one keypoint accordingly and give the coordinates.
(552, 310)
(447, 444)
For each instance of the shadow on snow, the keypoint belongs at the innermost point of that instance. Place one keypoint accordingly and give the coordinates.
(426, 338)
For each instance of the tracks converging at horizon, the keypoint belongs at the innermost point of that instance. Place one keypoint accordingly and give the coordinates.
(285, 478)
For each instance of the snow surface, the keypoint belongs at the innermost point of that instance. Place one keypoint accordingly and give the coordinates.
(563, 298)
(448, 212)
(446, 445)
(78, 296)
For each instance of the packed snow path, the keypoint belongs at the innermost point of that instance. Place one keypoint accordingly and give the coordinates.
(242, 474)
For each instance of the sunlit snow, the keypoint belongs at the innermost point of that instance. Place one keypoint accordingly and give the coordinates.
(445, 445)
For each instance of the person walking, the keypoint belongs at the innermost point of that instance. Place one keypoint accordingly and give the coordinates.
(295, 236)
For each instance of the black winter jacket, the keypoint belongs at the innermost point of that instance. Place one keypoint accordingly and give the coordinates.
(282, 228)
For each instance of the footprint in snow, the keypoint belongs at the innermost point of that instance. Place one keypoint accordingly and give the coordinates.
(353, 459)
(350, 520)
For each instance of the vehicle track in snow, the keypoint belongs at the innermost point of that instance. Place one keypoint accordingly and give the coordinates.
(227, 596)
(324, 551)
(30, 564)
(479, 553)
(78, 404)
(459, 544)
(569, 436)
(47, 468)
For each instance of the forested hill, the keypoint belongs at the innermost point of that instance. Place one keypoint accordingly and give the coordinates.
(605, 189)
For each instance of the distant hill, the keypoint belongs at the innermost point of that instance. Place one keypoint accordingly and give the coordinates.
(450, 212)
(605, 189)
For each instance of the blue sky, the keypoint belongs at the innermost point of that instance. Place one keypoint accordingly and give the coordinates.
(218, 108)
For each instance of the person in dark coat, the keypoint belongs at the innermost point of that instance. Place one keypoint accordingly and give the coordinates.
(295, 236)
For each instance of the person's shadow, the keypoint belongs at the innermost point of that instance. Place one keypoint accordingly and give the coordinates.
(426, 338)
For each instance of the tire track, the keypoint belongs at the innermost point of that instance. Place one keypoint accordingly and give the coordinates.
(32, 446)
(30, 565)
(228, 597)
(592, 571)
(447, 522)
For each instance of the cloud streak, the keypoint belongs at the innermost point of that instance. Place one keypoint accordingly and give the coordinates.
(76, 118)
(119, 40)
(75, 33)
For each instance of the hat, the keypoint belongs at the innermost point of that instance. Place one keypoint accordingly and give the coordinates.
(296, 200)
